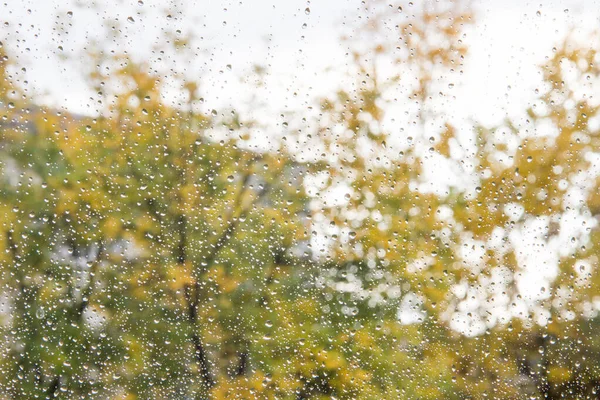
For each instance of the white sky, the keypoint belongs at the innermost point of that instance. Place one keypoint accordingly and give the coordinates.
(508, 41)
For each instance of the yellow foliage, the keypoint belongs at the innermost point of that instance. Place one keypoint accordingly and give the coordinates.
(111, 227)
(331, 359)
(307, 307)
(559, 375)
(364, 339)
(67, 201)
(179, 276)
(146, 223)
(126, 396)
(51, 291)
(226, 282)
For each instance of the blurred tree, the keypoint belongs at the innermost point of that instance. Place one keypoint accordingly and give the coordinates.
(141, 248)
(451, 260)
(147, 252)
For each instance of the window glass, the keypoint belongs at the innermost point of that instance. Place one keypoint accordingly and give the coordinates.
(299, 200)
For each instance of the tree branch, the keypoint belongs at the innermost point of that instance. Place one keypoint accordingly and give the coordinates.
(202, 360)
(87, 292)
(192, 296)
(52, 392)
(242, 367)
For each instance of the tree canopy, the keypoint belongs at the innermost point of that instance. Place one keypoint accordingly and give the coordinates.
(149, 252)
